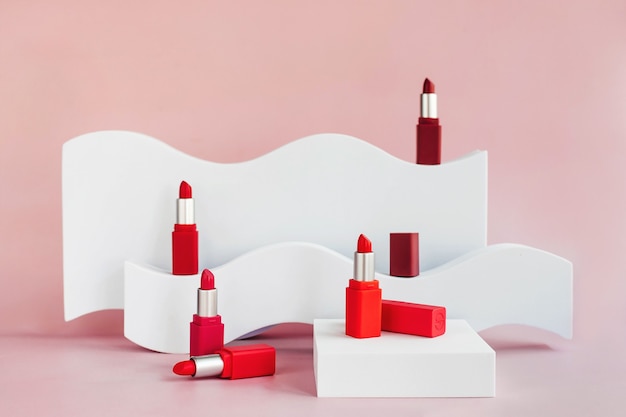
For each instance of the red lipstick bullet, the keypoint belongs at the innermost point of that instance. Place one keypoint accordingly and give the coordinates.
(363, 295)
(231, 362)
(185, 235)
(428, 128)
(206, 331)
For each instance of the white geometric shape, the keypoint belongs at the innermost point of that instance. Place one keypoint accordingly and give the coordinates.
(120, 190)
(300, 282)
(456, 364)
(288, 282)
(159, 309)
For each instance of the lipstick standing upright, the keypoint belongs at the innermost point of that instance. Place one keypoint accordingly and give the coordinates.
(206, 331)
(428, 128)
(363, 295)
(185, 235)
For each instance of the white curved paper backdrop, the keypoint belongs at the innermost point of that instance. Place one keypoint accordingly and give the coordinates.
(120, 189)
(300, 282)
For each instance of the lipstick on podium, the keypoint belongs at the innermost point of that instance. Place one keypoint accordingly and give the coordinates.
(363, 295)
(416, 319)
(428, 128)
(185, 234)
(231, 362)
(206, 331)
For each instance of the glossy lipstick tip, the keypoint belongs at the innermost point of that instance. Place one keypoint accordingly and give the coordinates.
(207, 280)
(185, 190)
(186, 368)
(429, 87)
(364, 245)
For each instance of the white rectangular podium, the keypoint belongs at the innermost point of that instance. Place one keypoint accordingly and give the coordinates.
(458, 363)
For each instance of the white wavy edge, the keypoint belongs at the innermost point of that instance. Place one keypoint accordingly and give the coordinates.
(96, 283)
(313, 139)
(496, 285)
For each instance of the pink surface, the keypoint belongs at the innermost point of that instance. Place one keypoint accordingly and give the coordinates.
(541, 85)
(104, 376)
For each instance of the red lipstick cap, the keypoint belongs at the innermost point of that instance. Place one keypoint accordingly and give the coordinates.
(404, 254)
(416, 319)
(248, 361)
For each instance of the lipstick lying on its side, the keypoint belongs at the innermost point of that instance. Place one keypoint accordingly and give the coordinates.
(428, 128)
(206, 331)
(363, 295)
(411, 318)
(231, 362)
(185, 235)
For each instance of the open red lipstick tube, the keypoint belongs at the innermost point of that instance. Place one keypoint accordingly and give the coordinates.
(235, 362)
(206, 331)
(428, 128)
(185, 235)
(363, 295)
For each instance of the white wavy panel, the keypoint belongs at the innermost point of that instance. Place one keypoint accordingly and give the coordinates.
(499, 284)
(119, 192)
(299, 282)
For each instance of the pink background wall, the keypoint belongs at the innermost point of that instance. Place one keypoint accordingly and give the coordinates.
(541, 85)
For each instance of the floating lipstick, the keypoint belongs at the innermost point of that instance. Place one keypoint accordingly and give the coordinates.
(363, 296)
(206, 331)
(428, 128)
(185, 235)
(231, 362)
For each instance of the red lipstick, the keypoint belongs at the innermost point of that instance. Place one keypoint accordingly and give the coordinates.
(185, 234)
(206, 331)
(428, 128)
(363, 295)
(231, 362)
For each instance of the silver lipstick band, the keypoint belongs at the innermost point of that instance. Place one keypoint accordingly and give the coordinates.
(207, 303)
(428, 107)
(185, 211)
(364, 267)
(209, 365)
